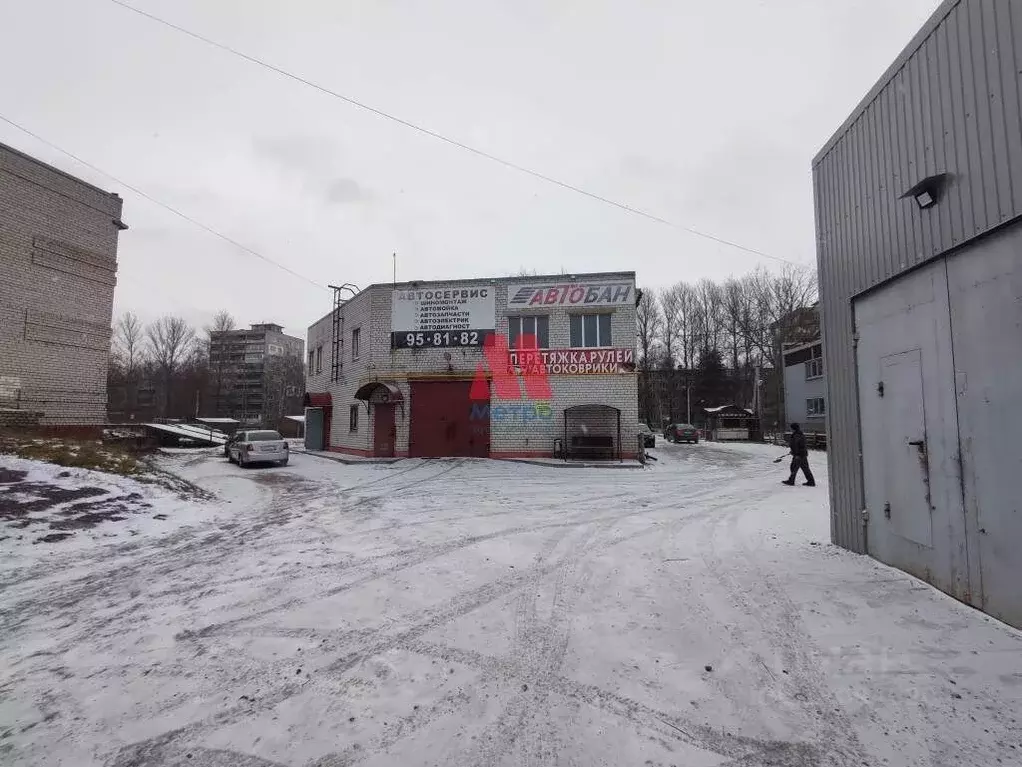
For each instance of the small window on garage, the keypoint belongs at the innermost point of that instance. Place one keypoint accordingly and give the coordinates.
(353, 418)
(319, 359)
(354, 342)
(590, 330)
(312, 361)
(536, 327)
(816, 407)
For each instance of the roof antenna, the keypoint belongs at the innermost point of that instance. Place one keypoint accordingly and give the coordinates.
(395, 267)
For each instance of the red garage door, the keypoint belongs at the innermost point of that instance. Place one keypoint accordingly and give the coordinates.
(446, 422)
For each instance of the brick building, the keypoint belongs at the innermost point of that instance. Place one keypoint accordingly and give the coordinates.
(406, 369)
(58, 266)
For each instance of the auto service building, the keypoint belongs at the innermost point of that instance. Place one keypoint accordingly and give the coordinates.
(520, 367)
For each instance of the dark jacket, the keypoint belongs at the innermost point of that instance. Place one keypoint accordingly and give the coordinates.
(798, 444)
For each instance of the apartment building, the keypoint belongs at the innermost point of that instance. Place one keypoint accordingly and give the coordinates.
(256, 375)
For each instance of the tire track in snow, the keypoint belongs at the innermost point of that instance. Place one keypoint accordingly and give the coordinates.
(507, 729)
(671, 495)
(408, 558)
(668, 725)
(767, 612)
(369, 643)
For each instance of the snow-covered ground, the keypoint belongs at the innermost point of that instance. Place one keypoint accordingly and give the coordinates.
(43, 505)
(467, 612)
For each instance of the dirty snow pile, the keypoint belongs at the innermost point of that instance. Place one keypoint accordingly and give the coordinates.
(42, 504)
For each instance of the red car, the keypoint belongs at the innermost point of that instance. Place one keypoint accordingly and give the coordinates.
(682, 432)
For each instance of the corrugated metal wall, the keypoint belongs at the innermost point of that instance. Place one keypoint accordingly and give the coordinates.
(951, 103)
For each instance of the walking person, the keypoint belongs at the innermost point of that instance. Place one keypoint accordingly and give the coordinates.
(799, 457)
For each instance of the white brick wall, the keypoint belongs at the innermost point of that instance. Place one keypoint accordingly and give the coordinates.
(58, 264)
(512, 431)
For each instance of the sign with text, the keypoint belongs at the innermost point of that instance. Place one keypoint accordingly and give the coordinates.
(442, 317)
(576, 294)
(572, 361)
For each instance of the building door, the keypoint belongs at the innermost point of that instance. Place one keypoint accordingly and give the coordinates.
(906, 457)
(985, 287)
(384, 430)
(313, 428)
(328, 418)
(909, 432)
(442, 422)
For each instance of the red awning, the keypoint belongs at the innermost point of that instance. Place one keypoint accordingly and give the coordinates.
(317, 399)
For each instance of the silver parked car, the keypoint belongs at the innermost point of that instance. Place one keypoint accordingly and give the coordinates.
(248, 447)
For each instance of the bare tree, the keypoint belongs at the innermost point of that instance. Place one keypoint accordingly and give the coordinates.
(222, 322)
(777, 301)
(778, 312)
(128, 343)
(169, 340)
(743, 321)
(222, 369)
(283, 386)
(650, 323)
(687, 348)
(708, 310)
(670, 306)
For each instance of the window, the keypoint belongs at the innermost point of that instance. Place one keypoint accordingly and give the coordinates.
(353, 418)
(536, 326)
(814, 368)
(319, 358)
(354, 343)
(816, 407)
(261, 436)
(312, 361)
(589, 330)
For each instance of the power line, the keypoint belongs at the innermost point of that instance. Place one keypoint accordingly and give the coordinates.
(175, 211)
(445, 139)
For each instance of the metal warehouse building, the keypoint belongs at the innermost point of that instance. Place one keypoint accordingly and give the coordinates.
(502, 368)
(919, 222)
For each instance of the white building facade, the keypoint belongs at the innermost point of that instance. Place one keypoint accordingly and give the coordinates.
(805, 387)
(501, 368)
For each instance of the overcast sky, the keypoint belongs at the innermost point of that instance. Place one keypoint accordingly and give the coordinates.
(706, 113)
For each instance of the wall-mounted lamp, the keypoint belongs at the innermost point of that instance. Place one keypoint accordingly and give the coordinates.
(927, 192)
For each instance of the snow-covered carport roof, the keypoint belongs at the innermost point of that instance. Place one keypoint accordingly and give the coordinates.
(727, 410)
